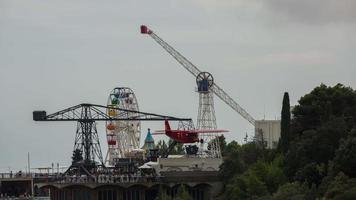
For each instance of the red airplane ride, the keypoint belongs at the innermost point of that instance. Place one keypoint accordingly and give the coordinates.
(184, 136)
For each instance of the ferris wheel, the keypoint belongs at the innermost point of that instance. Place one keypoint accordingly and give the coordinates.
(122, 136)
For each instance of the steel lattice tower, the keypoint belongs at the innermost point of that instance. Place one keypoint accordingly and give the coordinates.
(87, 140)
(206, 114)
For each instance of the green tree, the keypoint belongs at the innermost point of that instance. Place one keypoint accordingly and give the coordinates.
(232, 164)
(290, 191)
(283, 143)
(222, 143)
(162, 147)
(254, 185)
(259, 181)
(245, 186)
(178, 148)
(235, 189)
(311, 173)
(322, 103)
(322, 118)
(347, 195)
(339, 185)
(316, 146)
(275, 175)
(251, 152)
(345, 156)
(317, 149)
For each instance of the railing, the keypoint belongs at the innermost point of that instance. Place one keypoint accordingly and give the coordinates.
(14, 175)
(25, 198)
(105, 179)
(27, 175)
(66, 179)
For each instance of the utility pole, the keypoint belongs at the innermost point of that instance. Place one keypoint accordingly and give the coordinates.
(29, 173)
(28, 163)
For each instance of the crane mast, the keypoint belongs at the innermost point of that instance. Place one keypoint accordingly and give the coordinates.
(195, 72)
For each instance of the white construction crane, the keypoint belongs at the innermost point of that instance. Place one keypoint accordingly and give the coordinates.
(218, 91)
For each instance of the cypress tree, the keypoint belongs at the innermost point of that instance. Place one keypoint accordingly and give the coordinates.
(283, 143)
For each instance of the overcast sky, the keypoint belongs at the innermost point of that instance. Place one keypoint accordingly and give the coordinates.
(56, 54)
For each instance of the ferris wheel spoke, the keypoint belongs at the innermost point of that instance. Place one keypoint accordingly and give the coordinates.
(126, 134)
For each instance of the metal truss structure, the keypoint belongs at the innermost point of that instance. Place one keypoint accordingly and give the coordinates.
(206, 114)
(218, 91)
(206, 88)
(86, 115)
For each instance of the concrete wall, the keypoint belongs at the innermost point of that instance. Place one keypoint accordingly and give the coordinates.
(187, 164)
(270, 130)
(198, 191)
(201, 185)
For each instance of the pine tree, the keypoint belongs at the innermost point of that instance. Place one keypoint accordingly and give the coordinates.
(162, 147)
(285, 125)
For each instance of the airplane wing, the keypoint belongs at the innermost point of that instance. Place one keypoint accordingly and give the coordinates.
(161, 132)
(209, 131)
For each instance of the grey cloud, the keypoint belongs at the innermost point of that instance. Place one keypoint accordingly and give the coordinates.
(314, 11)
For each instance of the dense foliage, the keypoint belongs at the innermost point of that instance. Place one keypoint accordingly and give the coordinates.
(315, 158)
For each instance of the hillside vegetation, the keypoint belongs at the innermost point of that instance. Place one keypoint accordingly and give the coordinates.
(315, 158)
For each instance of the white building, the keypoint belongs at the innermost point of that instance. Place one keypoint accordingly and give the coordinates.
(270, 130)
(181, 163)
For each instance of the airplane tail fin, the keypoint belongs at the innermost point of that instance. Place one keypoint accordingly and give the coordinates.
(167, 126)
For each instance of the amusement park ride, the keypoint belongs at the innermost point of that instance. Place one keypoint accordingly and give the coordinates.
(184, 136)
(122, 136)
(206, 87)
(86, 139)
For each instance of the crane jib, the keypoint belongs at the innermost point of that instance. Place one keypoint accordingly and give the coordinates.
(195, 72)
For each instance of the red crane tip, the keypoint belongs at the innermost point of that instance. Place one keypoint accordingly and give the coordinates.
(144, 29)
